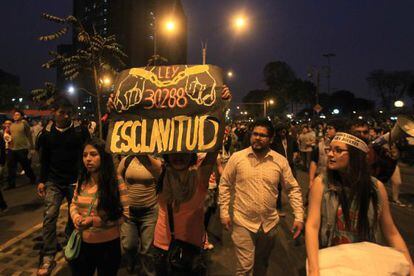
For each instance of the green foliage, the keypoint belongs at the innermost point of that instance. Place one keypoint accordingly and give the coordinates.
(103, 54)
(45, 95)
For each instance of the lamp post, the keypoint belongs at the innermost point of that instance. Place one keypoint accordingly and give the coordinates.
(329, 56)
(169, 26)
(265, 103)
(101, 83)
(239, 24)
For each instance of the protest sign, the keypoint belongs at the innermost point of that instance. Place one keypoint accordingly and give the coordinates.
(167, 109)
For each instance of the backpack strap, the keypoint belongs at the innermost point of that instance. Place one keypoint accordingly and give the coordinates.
(128, 161)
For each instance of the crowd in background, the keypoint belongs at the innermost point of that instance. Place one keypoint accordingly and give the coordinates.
(129, 189)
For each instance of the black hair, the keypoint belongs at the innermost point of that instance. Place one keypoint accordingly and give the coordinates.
(193, 159)
(357, 186)
(19, 111)
(109, 203)
(63, 103)
(266, 124)
(339, 125)
(359, 123)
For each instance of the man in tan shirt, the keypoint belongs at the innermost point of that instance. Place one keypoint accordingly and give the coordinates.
(253, 175)
(21, 148)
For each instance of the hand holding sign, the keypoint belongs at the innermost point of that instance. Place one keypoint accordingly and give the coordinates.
(194, 120)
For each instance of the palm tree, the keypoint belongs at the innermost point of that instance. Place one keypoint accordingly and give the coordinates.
(97, 55)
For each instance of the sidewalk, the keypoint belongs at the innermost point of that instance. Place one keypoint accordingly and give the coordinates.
(20, 255)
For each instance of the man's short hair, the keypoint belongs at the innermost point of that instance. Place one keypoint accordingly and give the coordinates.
(339, 125)
(19, 111)
(359, 123)
(64, 104)
(266, 124)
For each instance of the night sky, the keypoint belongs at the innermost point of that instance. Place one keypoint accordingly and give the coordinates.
(364, 35)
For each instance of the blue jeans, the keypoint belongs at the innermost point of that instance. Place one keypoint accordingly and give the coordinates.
(53, 199)
(137, 236)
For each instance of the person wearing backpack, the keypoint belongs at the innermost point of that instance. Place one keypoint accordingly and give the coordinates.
(347, 205)
(60, 147)
(137, 233)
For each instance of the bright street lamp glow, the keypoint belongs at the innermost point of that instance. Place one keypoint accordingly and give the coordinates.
(106, 81)
(240, 22)
(398, 103)
(71, 89)
(170, 26)
(230, 74)
(335, 111)
(271, 101)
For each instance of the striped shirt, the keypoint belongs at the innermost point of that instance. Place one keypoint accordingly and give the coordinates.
(101, 230)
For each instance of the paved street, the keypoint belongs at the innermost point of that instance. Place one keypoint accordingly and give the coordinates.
(20, 235)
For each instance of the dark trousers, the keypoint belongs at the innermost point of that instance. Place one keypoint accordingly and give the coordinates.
(53, 200)
(104, 257)
(19, 156)
(3, 204)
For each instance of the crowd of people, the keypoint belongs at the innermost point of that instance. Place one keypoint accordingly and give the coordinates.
(155, 210)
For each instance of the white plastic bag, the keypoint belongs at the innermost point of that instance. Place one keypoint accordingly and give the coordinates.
(362, 259)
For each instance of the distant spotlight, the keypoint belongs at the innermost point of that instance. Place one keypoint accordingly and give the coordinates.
(360, 117)
(71, 89)
(381, 111)
(230, 74)
(354, 112)
(398, 103)
(335, 111)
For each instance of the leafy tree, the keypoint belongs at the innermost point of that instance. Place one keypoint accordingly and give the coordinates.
(46, 95)
(391, 85)
(278, 75)
(95, 56)
(301, 92)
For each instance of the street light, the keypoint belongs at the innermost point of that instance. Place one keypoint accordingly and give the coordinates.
(106, 81)
(230, 74)
(71, 89)
(265, 103)
(170, 26)
(239, 22)
(399, 104)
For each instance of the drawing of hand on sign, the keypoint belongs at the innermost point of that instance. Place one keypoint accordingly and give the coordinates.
(198, 91)
(129, 91)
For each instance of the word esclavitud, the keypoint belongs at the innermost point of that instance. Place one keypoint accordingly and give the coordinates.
(177, 134)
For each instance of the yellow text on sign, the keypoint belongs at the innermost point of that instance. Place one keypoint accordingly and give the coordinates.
(180, 133)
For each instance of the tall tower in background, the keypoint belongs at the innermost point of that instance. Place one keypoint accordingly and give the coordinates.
(138, 26)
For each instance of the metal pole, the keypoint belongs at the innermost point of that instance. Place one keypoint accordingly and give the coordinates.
(204, 51)
(155, 42)
(318, 84)
(264, 108)
(328, 56)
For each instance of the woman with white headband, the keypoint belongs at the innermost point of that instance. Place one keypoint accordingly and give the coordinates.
(347, 205)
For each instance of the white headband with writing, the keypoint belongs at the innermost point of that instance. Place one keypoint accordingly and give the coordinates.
(351, 140)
